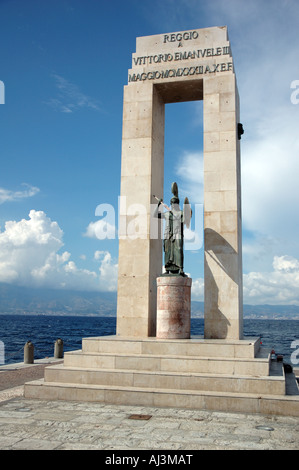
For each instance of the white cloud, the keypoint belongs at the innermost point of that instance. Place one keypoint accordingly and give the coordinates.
(7, 195)
(108, 270)
(190, 171)
(101, 229)
(70, 98)
(29, 256)
(27, 246)
(280, 286)
(286, 264)
(198, 289)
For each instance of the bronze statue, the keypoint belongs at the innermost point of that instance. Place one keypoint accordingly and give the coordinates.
(175, 219)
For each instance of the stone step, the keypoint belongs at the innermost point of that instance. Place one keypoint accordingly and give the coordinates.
(167, 380)
(195, 346)
(258, 366)
(292, 387)
(204, 400)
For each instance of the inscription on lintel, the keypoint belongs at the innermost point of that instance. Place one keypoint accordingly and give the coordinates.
(197, 60)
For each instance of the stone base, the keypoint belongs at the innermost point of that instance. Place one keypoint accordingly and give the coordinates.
(173, 307)
(196, 373)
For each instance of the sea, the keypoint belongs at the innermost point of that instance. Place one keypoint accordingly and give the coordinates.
(15, 330)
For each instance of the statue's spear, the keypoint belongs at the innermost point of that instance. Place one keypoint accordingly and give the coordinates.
(166, 207)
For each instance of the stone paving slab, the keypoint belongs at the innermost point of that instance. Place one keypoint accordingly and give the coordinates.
(13, 375)
(47, 425)
(30, 424)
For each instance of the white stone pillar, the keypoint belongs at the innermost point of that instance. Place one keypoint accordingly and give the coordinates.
(222, 210)
(142, 176)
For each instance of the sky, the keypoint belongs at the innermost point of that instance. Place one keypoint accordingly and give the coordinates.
(63, 66)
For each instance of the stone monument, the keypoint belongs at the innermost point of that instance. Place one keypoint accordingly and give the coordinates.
(151, 361)
(169, 68)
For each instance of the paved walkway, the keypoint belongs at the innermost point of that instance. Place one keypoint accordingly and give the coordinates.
(36, 424)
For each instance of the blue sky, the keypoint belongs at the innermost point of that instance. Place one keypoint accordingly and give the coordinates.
(64, 64)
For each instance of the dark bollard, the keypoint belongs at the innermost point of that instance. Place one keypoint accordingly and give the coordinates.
(58, 349)
(29, 353)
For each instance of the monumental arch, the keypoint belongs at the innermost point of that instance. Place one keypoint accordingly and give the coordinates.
(141, 364)
(170, 68)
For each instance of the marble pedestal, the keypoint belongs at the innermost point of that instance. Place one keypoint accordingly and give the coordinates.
(173, 307)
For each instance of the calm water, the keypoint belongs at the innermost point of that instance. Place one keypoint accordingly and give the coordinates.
(43, 331)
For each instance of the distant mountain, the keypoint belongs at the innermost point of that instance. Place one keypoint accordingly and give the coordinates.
(283, 312)
(41, 301)
(24, 300)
